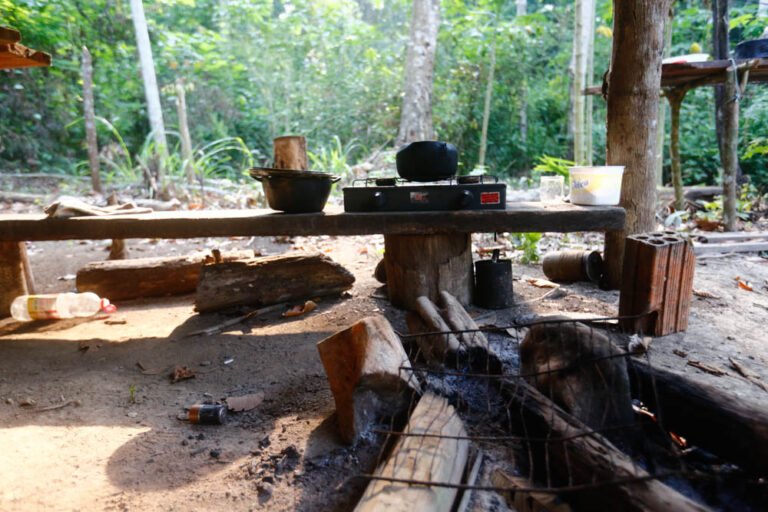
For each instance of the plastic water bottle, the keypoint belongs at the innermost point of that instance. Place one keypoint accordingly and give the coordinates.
(57, 305)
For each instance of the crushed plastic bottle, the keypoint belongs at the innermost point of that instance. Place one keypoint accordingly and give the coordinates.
(58, 305)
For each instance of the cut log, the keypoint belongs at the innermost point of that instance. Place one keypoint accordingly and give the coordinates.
(588, 459)
(12, 276)
(9, 35)
(481, 357)
(270, 280)
(426, 459)
(733, 429)
(15, 56)
(426, 264)
(291, 153)
(369, 375)
(146, 277)
(435, 348)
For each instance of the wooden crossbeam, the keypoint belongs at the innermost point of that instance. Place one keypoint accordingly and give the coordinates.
(15, 55)
(9, 35)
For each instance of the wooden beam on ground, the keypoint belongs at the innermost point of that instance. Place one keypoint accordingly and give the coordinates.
(730, 247)
(733, 429)
(146, 277)
(516, 218)
(417, 457)
(730, 237)
(589, 459)
(15, 55)
(369, 375)
(269, 280)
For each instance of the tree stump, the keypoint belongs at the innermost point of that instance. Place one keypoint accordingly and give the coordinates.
(13, 275)
(427, 264)
(291, 152)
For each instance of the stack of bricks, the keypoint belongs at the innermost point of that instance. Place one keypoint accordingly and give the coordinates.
(657, 283)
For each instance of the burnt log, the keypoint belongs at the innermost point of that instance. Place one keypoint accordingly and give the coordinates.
(733, 429)
(368, 373)
(581, 370)
(269, 280)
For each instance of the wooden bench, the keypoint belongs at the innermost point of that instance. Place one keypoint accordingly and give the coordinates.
(433, 245)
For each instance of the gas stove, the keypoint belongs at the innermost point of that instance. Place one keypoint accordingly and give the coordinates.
(398, 195)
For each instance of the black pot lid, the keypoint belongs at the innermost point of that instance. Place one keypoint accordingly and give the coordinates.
(265, 172)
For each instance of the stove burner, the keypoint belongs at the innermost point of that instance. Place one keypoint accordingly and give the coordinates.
(391, 194)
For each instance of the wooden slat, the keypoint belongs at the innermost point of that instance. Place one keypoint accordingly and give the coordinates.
(730, 247)
(9, 35)
(15, 55)
(517, 218)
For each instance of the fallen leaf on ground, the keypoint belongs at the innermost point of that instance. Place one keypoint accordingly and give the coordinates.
(542, 283)
(300, 309)
(705, 294)
(116, 321)
(244, 403)
(745, 285)
(708, 225)
(27, 402)
(86, 345)
(151, 371)
(680, 353)
(181, 373)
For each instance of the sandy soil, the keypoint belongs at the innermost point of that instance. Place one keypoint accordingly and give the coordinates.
(122, 447)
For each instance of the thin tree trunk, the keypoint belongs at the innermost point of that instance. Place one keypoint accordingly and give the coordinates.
(762, 8)
(660, 135)
(719, 52)
(675, 98)
(730, 154)
(487, 105)
(151, 90)
(416, 114)
(634, 84)
(577, 85)
(522, 7)
(590, 69)
(90, 121)
(186, 140)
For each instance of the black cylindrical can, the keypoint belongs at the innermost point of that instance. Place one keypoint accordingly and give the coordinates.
(493, 283)
(204, 414)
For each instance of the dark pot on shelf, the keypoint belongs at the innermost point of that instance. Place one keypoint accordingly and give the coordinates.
(427, 160)
(301, 193)
(754, 49)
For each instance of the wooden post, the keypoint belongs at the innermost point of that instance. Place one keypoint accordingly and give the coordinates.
(730, 155)
(90, 121)
(675, 96)
(12, 276)
(427, 264)
(186, 140)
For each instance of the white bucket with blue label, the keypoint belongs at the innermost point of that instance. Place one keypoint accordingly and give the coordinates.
(598, 185)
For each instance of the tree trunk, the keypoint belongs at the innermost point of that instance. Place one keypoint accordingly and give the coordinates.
(719, 52)
(577, 85)
(416, 114)
(589, 42)
(151, 90)
(487, 104)
(90, 121)
(13, 280)
(762, 8)
(186, 140)
(426, 265)
(633, 106)
(522, 7)
(663, 106)
(729, 153)
(675, 97)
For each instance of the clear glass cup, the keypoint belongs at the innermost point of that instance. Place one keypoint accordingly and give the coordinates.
(552, 189)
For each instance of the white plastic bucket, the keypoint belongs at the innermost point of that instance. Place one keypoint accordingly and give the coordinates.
(600, 185)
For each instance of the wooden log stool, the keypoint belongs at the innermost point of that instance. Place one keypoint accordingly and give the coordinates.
(425, 265)
(657, 283)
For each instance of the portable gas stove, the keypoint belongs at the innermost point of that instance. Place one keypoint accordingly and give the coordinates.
(398, 195)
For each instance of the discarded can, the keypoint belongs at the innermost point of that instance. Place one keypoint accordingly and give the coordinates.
(571, 265)
(205, 414)
(493, 283)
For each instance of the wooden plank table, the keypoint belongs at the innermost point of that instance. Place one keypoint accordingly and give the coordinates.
(517, 218)
(436, 246)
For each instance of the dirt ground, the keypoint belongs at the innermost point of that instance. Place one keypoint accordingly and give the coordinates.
(119, 444)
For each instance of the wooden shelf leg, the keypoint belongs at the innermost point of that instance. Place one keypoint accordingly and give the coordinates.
(14, 269)
(426, 265)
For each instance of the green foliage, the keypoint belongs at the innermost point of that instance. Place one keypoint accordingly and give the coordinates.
(528, 243)
(333, 159)
(554, 165)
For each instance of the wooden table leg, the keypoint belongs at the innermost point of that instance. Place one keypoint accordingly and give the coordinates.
(14, 269)
(427, 264)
